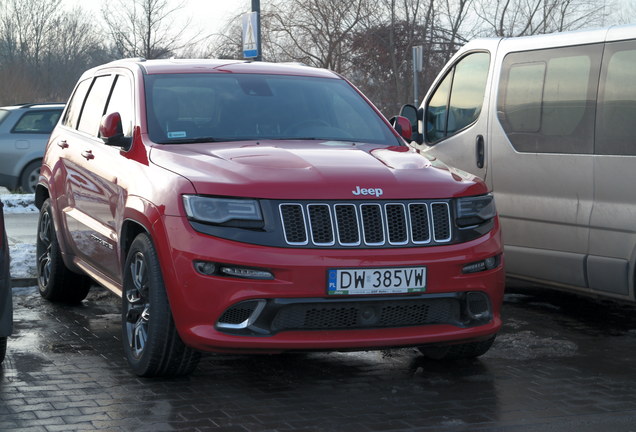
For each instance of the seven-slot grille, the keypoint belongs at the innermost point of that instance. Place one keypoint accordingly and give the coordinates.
(366, 224)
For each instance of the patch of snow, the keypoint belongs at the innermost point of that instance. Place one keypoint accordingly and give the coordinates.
(22, 261)
(19, 203)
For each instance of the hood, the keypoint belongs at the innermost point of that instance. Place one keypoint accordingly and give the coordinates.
(314, 170)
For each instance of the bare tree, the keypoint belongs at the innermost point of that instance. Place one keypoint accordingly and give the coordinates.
(26, 26)
(317, 32)
(529, 17)
(146, 28)
(43, 49)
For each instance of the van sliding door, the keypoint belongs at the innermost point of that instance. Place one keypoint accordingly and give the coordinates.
(613, 224)
(542, 145)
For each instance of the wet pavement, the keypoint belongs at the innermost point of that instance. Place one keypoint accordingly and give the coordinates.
(561, 363)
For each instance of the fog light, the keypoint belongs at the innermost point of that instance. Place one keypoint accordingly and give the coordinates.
(246, 273)
(205, 267)
(477, 305)
(491, 263)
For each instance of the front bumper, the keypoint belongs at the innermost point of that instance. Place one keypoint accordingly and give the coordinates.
(227, 314)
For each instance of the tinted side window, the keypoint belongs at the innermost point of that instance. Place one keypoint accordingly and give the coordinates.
(75, 104)
(121, 101)
(546, 101)
(458, 100)
(616, 117)
(41, 122)
(95, 105)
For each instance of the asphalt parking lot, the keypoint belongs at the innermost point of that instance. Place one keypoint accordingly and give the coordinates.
(561, 363)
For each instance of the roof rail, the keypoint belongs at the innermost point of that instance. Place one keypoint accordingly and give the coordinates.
(31, 104)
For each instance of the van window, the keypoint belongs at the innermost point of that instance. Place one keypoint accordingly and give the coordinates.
(546, 101)
(457, 101)
(616, 119)
(523, 98)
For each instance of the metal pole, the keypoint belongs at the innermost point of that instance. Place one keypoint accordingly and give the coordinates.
(256, 7)
(415, 73)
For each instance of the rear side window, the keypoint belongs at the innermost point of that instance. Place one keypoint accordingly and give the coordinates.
(457, 101)
(74, 107)
(41, 122)
(95, 105)
(546, 101)
(616, 117)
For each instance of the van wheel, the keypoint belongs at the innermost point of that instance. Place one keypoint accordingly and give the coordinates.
(30, 177)
(3, 348)
(55, 281)
(456, 352)
(150, 339)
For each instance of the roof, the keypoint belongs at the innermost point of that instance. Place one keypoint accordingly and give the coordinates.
(172, 66)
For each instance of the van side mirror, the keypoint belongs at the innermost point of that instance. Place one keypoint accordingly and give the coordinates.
(413, 115)
(402, 126)
(111, 131)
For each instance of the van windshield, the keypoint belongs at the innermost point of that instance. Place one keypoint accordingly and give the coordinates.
(187, 108)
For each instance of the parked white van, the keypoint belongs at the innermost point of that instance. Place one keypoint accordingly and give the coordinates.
(550, 123)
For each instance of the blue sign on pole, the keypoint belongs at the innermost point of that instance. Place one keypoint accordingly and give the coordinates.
(250, 35)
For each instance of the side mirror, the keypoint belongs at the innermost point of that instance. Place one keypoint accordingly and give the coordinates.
(402, 126)
(414, 116)
(111, 131)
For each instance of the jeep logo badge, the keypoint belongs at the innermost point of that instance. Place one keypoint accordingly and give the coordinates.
(377, 192)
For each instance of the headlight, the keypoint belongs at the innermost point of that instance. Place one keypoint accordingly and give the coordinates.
(473, 211)
(223, 211)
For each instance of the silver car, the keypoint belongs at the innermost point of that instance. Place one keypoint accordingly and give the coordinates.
(24, 131)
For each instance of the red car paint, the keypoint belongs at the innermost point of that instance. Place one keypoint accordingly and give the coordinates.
(100, 192)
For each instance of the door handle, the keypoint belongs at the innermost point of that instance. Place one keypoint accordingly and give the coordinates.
(62, 144)
(88, 154)
(480, 151)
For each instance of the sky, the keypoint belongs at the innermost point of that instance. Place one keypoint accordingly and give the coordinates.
(208, 16)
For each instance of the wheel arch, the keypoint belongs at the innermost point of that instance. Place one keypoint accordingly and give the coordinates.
(41, 195)
(130, 229)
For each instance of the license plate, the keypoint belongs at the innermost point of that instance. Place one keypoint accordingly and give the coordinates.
(394, 280)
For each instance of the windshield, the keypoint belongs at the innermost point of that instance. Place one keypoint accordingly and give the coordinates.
(234, 107)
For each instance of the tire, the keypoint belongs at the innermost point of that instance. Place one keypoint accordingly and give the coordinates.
(149, 336)
(3, 348)
(457, 352)
(30, 177)
(55, 281)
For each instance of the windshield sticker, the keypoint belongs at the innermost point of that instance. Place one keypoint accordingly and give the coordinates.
(180, 134)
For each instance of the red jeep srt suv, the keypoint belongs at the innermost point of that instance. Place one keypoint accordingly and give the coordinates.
(251, 207)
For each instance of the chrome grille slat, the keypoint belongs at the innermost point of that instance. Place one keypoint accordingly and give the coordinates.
(372, 224)
(320, 225)
(347, 225)
(441, 222)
